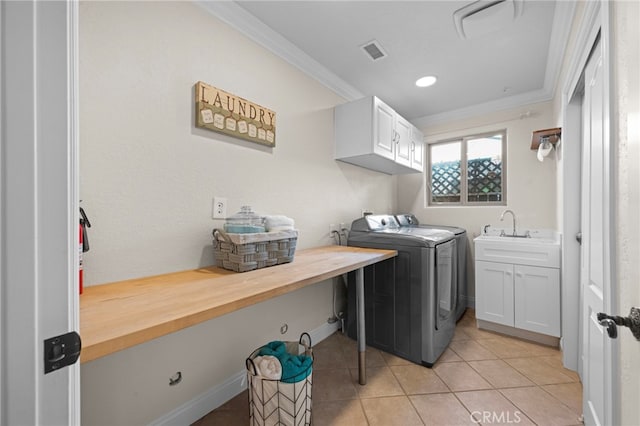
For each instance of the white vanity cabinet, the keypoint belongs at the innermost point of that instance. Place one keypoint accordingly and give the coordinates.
(519, 285)
(370, 134)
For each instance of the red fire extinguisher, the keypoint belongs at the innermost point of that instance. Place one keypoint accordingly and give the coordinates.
(80, 257)
(84, 244)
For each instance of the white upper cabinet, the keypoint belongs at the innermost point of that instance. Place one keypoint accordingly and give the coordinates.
(417, 149)
(384, 134)
(370, 134)
(403, 141)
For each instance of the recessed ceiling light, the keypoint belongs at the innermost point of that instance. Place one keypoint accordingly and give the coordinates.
(426, 81)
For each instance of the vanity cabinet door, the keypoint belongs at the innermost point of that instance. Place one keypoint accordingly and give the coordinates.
(494, 292)
(537, 299)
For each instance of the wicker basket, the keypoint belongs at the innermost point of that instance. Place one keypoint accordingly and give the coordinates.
(246, 252)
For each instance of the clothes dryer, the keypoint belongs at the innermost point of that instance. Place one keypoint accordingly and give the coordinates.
(410, 300)
(461, 252)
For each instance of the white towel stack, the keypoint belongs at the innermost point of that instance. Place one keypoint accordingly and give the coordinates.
(268, 366)
(278, 223)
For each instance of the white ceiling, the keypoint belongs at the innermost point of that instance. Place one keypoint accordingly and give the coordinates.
(515, 65)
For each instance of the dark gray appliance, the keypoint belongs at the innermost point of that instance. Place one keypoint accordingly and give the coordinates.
(462, 243)
(410, 300)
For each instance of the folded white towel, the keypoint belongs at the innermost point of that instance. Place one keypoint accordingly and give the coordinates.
(278, 223)
(268, 366)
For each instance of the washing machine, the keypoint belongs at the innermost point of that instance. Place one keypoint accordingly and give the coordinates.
(410, 300)
(462, 243)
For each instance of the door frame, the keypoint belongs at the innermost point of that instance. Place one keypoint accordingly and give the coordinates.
(595, 23)
(38, 208)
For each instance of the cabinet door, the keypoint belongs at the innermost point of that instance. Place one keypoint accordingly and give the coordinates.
(417, 150)
(384, 134)
(537, 299)
(494, 292)
(403, 141)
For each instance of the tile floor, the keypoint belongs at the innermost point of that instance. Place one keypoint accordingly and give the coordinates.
(483, 378)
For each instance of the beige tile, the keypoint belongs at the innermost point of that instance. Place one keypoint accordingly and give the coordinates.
(539, 372)
(469, 317)
(391, 359)
(449, 356)
(338, 413)
(330, 385)
(470, 350)
(336, 341)
(475, 333)
(239, 402)
(537, 349)
(458, 376)
(390, 411)
(505, 347)
(491, 407)
(380, 382)
(224, 417)
(556, 361)
(416, 379)
(441, 409)
(459, 334)
(373, 357)
(234, 412)
(327, 357)
(541, 407)
(500, 374)
(570, 394)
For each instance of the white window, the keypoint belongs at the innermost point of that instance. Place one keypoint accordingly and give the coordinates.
(468, 171)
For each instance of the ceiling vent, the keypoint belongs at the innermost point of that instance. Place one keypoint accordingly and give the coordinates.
(486, 16)
(374, 50)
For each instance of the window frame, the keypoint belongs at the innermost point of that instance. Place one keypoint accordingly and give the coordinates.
(463, 172)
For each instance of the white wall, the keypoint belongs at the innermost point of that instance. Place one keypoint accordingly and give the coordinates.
(531, 185)
(148, 178)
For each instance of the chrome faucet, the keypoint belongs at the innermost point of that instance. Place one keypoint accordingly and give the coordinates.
(514, 219)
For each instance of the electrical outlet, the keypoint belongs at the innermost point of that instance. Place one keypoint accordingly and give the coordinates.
(342, 227)
(332, 229)
(219, 208)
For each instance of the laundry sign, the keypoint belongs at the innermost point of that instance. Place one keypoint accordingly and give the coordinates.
(223, 112)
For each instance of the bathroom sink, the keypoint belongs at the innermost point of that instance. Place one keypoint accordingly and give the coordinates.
(542, 248)
(533, 236)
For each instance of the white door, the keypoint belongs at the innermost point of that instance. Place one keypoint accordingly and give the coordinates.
(595, 273)
(39, 210)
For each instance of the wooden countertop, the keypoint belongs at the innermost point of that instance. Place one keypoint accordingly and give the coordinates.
(119, 315)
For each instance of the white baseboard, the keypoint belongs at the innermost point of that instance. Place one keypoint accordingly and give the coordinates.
(199, 406)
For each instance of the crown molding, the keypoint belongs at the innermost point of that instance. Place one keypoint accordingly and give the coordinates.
(560, 31)
(522, 99)
(237, 17)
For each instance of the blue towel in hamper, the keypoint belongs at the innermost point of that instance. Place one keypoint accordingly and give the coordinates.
(294, 367)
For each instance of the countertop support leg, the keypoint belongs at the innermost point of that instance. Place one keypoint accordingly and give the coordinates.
(362, 373)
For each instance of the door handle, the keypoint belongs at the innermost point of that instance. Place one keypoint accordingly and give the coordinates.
(632, 322)
(579, 238)
(610, 325)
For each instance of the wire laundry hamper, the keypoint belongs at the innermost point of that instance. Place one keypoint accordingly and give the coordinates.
(275, 402)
